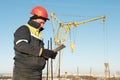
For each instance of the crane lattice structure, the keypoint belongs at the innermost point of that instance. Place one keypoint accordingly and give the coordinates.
(64, 28)
(60, 36)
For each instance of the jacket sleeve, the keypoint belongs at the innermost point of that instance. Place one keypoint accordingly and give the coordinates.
(21, 42)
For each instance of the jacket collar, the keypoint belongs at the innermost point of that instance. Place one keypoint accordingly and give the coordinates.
(34, 24)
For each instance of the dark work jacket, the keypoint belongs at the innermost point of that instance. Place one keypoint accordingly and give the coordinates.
(27, 48)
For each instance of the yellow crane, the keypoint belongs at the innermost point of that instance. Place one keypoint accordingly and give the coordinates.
(64, 28)
(61, 34)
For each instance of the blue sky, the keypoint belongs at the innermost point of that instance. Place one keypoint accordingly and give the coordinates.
(92, 47)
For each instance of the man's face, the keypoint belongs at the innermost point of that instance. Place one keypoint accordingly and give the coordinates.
(41, 22)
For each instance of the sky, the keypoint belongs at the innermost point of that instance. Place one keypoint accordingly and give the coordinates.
(95, 43)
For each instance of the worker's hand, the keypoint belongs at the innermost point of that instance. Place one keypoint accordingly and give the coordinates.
(49, 54)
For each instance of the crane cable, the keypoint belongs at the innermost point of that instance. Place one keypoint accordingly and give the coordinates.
(105, 31)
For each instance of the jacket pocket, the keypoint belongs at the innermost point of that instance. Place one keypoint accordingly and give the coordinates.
(38, 62)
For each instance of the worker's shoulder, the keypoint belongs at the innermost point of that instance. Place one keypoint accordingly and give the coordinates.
(22, 29)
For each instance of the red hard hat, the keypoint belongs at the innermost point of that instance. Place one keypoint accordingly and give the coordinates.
(40, 11)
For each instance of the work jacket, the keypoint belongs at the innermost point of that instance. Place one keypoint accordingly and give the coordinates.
(27, 45)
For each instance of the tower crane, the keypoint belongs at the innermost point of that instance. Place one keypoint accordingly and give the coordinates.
(64, 28)
(60, 36)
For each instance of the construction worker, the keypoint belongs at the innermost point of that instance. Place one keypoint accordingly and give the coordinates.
(30, 55)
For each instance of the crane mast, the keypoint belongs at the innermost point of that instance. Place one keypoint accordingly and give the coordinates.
(64, 28)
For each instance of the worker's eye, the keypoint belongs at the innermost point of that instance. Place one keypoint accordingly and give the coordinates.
(42, 22)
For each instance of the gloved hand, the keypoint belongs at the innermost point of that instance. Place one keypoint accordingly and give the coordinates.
(49, 54)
